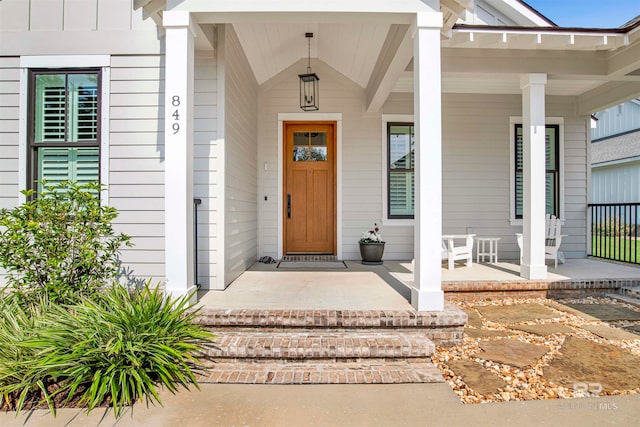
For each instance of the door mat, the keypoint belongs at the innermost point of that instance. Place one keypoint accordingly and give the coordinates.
(297, 258)
(312, 265)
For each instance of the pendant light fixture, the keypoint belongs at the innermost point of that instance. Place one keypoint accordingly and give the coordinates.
(309, 83)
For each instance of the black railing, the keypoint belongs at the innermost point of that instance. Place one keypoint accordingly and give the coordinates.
(196, 203)
(614, 231)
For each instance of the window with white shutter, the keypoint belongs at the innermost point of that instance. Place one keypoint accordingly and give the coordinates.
(64, 125)
(552, 181)
(400, 170)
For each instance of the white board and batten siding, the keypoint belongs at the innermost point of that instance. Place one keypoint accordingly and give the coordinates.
(616, 120)
(240, 145)
(619, 183)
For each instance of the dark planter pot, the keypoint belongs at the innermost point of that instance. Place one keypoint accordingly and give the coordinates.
(371, 253)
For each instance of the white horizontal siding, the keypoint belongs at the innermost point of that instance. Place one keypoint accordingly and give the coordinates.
(136, 162)
(205, 166)
(241, 133)
(9, 121)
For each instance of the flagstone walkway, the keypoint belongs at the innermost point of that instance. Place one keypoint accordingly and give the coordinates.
(544, 349)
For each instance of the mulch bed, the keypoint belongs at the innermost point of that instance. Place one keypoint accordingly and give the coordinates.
(35, 399)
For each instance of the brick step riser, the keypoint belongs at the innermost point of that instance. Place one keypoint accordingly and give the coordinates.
(320, 355)
(365, 372)
(212, 362)
(445, 336)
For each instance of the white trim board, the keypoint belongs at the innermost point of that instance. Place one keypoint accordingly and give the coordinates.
(310, 117)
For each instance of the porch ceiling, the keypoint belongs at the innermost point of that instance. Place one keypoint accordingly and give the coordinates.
(351, 49)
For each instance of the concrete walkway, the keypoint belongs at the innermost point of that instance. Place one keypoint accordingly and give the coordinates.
(346, 405)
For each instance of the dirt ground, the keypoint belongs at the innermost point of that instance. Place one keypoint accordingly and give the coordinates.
(532, 349)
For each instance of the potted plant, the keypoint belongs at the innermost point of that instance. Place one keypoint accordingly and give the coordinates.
(371, 246)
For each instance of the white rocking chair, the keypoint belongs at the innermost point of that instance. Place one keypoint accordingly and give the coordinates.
(552, 240)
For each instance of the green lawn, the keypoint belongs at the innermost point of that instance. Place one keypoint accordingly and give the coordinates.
(616, 248)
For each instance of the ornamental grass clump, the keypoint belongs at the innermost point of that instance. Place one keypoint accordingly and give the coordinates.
(112, 350)
(60, 244)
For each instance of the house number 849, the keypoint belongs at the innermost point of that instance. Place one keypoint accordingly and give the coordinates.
(175, 101)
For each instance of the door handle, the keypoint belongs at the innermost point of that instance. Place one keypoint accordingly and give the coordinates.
(289, 206)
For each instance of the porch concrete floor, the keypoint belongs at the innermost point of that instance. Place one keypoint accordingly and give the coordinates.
(384, 287)
(356, 287)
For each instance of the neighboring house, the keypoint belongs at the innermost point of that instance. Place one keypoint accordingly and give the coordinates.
(169, 100)
(615, 155)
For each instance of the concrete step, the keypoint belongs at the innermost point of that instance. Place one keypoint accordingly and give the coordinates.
(319, 344)
(361, 372)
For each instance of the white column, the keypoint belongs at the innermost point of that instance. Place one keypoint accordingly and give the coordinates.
(427, 294)
(534, 165)
(178, 146)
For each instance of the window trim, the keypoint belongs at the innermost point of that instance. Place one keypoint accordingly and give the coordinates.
(552, 121)
(386, 120)
(57, 62)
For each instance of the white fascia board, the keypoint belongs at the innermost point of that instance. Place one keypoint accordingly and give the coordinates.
(519, 12)
(286, 6)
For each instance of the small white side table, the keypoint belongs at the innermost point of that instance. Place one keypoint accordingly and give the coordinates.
(484, 250)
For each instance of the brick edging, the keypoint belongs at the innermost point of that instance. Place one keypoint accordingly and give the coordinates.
(466, 290)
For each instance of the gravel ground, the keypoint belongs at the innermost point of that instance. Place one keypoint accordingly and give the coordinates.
(528, 383)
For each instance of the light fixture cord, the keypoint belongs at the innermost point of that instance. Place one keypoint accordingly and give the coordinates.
(308, 55)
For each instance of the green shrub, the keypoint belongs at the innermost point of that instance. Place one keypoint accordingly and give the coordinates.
(117, 347)
(60, 244)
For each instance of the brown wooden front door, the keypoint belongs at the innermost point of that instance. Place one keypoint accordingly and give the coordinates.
(309, 188)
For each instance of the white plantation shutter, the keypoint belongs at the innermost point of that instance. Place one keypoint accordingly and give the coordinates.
(50, 120)
(519, 174)
(56, 164)
(83, 114)
(66, 141)
(53, 164)
(401, 183)
(552, 170)
(401, 193)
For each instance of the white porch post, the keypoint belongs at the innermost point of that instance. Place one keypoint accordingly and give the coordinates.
(427, 294)
(534, 165)
(178, 145)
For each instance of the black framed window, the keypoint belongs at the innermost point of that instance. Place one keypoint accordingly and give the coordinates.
(64, 125)
(400, 170)
(552, 170)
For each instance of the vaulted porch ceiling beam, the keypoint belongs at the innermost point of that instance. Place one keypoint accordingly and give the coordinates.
(395, 54)
(624, 61)
(607, 95)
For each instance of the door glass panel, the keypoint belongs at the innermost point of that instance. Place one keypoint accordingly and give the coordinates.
(309, 147)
